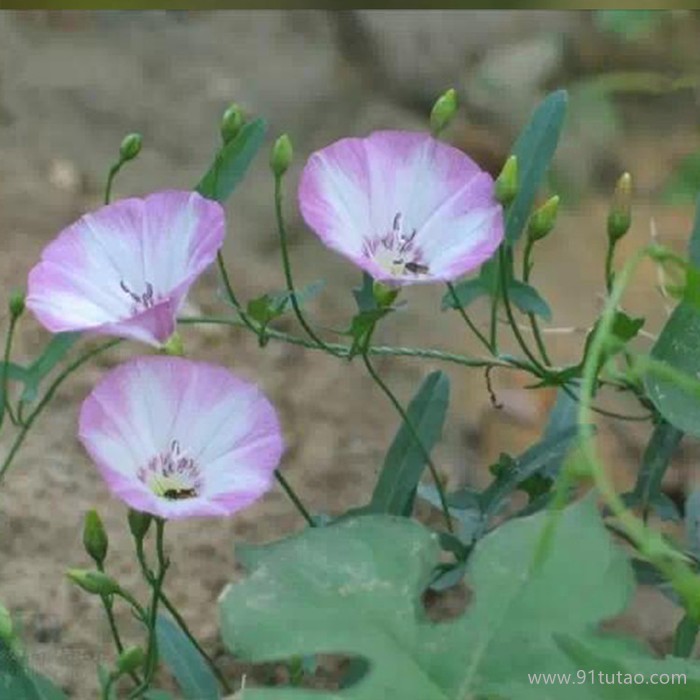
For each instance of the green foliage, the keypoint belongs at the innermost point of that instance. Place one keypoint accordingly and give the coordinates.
(232, 162)
(17, 682)
(535, 149)
(356, 587)
(405, 461)
(194, 677)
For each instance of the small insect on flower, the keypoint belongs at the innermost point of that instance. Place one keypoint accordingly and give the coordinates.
(403, 206)
(126, 268)
(178, 439)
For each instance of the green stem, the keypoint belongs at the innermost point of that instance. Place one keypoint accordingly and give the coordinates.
(46, 399)
(341, 350)
(294, 498)
(472, 326)
(411, 429)
(186, 631)
(110, 180)
(107, 688)
(232, 295)
(156, 583)
(288, 270)
(6, 371)
(609, 272)
(534, 324)
(511, 317)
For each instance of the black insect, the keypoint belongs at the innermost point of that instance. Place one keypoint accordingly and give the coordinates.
(417, 268)
(179, 494)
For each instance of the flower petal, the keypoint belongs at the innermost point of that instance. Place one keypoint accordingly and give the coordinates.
(151, 406)
(103, 272)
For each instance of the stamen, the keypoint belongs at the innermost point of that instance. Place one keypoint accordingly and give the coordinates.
(172, 474)
(145, 300)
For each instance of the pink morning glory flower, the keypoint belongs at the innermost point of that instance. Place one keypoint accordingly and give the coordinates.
(403, 206)
(126, 268)
(179, 439)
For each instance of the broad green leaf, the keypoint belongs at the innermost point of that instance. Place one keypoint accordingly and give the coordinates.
(657, 456)
(232, 161)
(404, 462)
(528, 300)
(54, 352)
(678, 345)
(194, 677)
(17, 682)
(535, 149)
(467, 292)
(694, 243)
(612, 657)
(355, 588)
(685, 636)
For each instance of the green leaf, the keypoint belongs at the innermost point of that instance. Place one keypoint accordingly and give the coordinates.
(692, 522)
(685, 636)
(356, 587)
(535, 149)
(232, 162)
(694, 243)
(528, 300)
(612, 657)
(678, 345)
(271, 306)
(404, 462)
(467, 292)
(662, 445)
(55, 351)
(194, 677)
(17, 682)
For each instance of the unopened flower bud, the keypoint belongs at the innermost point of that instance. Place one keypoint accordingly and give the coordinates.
(543, 219)
(443, 111)
(94, 537)
(174, 346)
(507, 181)
(17, 304)
(231, 123)
(139, 523)
(6, 626)
(282, 154)
(130, 147)
(130, 659)
(384, 294)
(620, 216)
(95, 582)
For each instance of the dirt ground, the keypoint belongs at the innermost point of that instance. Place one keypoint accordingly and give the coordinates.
(71, 84)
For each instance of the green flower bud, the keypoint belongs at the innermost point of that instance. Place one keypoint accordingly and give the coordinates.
(620, 216)
(231, 123)
(130, 659)
(139, 523)
(16, 304)
(542, 221)
(384, 294)
(282, 154)
(443, 111)
(174, 346)
(507, 181)
(95, 582)
(94, 537)
(130, 147)
(6, 626)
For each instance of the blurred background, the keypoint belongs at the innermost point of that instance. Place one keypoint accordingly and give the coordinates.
(73, 83)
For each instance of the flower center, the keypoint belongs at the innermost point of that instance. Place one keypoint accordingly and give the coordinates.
(397, 252)
(172, 475)
(142, 301)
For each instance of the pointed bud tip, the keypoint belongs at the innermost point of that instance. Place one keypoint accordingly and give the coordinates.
(130, 146)
(95, 582)
(282, 155)
(543, 219)
(17, 304)
(95, 537)
(443, 111)
(507, 181)
(620, 216)
(232, 122)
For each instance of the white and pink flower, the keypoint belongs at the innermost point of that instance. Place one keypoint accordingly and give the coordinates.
(403, 206)
(125, 269)
(178, 439)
